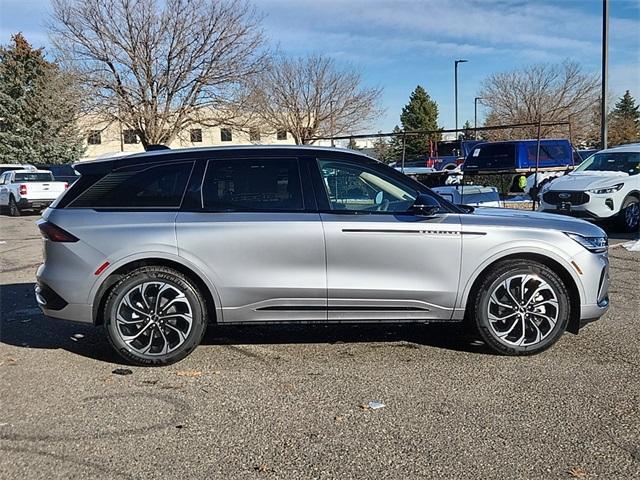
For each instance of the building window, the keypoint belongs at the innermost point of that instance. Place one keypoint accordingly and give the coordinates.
(129, 136)
(254, 135)
(281, 134)
(225, 135)
(94, 137)
(196, 135)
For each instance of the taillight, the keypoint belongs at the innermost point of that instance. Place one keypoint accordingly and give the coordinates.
(66, 185)
(430, 163)
(22, 189)
(54, 233)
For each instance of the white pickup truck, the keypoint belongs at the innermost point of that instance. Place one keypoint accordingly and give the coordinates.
(28, 189)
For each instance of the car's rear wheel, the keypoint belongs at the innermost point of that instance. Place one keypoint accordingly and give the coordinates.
(521, 307)
(14, 210)
(629, 217)
(155, 316)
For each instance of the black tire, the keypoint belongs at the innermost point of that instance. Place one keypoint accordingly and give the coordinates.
(628, 219)
(479, 312)
(174, 279)
(14, 210)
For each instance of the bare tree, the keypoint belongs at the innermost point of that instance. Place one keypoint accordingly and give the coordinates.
(552, 93)
(311, 97)
(160, 66)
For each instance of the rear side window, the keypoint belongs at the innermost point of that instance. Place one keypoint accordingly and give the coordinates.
(252, 185)
(160, 186)
(33, 177)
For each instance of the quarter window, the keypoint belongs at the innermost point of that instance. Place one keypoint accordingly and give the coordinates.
(354, 187)
(252, 185)
(160, 186)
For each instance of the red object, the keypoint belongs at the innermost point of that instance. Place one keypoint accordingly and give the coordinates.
(430, 163)
(66, 185)
(23, 189)
(101, 268)
(54, 233)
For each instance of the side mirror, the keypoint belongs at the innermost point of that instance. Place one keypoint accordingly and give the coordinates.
(425, 205)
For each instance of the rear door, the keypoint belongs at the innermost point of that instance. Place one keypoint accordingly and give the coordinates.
(255, 231)
(384, 262)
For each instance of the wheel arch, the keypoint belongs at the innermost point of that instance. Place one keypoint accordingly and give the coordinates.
(101, 295)
(557, 267)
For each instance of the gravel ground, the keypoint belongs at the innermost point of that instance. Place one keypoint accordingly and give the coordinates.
(286, 402)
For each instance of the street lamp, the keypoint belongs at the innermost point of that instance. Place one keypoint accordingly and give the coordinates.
(475, 117)
(604, 74)
(455, 76)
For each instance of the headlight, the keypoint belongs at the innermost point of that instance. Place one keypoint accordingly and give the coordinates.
(593, 244)
(612, 189)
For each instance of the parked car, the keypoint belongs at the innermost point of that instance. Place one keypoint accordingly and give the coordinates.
(156, 245)
(474, 195)
(28, 189)
(62, 173)
(518, 155)
(5, 167)
(606, 186)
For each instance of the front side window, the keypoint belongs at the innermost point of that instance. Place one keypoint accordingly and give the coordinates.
(252, 185)
(354, 187)
(160, 186)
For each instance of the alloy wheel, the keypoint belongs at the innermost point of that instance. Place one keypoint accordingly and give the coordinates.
(523, 310)
(154, 318)
(632, 215)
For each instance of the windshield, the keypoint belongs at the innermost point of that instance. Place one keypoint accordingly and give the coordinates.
(33, 177)
(627, 162)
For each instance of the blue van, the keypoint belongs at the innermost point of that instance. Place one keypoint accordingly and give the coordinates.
(519, 155)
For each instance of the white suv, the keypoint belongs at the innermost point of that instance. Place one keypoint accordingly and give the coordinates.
(606, 186)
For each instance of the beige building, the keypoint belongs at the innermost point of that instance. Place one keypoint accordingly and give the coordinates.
(103, 138)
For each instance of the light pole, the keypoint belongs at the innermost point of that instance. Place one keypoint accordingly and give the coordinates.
(604, 74)
(475, 117)
(455, 97)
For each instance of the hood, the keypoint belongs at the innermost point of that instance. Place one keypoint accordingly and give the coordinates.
(527, 219)
(582, 181)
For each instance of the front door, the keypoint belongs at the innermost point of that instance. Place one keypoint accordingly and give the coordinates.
(257, 240)
(383, 262)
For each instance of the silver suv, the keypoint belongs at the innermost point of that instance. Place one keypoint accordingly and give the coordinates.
(155, 246)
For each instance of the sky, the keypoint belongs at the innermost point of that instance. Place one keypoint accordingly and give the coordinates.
(398, 44)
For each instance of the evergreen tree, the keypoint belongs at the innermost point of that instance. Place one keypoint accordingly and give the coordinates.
(382, 150)
(467, 132)
(38, 108)
(624, 121)
(421, 113)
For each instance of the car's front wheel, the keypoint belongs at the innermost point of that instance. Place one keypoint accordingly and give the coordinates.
(629, 217)
(521, 307)
(155, 316)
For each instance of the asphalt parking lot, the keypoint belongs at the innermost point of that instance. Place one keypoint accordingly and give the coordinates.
(286, 402)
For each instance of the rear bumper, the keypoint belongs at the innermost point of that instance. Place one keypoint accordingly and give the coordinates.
(54, 306)
(26, 204)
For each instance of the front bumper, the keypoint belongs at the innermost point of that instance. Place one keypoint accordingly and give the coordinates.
(598, 207)
(594, 276)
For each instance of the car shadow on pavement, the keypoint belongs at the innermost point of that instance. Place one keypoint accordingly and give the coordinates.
(23, 325)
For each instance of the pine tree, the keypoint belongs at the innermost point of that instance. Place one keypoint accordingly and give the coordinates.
(467, 132)
(382, 150)
(421, 113)
(624, 121)
(38, 108)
